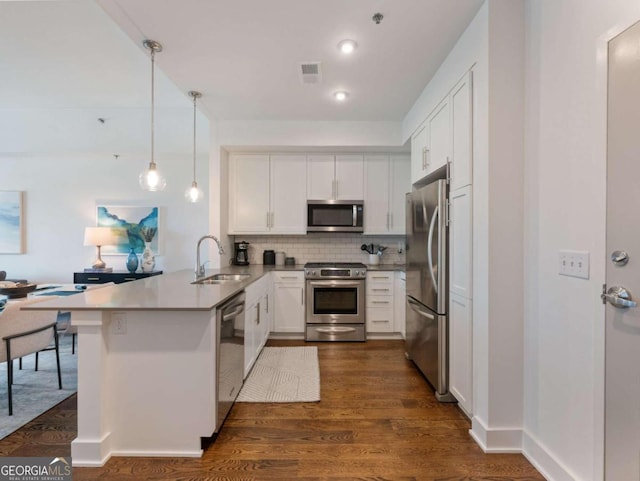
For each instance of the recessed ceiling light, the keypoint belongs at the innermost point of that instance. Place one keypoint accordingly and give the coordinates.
(341, 96)
(347, 46)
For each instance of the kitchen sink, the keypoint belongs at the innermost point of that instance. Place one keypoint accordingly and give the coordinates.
(222, 278)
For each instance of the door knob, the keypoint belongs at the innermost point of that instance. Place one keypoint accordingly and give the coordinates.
(619, 297)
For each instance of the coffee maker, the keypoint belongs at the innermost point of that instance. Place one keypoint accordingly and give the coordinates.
(241, 253)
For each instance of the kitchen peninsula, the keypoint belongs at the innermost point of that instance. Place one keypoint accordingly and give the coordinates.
(147, 364)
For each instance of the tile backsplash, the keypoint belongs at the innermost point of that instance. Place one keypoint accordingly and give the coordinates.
(324, 247)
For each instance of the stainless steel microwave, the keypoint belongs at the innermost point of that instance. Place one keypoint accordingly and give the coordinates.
(335, 216)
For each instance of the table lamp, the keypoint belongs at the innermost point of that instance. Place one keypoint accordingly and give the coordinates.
(99, 236)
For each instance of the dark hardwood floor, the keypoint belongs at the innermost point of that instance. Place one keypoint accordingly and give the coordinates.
(377, 420)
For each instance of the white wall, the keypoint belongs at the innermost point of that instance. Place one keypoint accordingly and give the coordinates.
(61, 192)
(309, 133)
(565, 209)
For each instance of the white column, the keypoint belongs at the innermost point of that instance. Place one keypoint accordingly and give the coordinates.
(92, 447)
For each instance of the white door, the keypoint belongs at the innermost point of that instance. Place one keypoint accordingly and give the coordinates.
(622, 346)
(320, 177)
(288, 194)
(349, 177)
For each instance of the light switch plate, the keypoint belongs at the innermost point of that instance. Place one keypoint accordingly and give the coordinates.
(574, 264)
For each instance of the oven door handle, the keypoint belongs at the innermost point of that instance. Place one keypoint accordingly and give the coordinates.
(335, 283)
(335, 330)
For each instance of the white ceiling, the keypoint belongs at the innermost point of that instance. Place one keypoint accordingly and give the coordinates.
(242, 55)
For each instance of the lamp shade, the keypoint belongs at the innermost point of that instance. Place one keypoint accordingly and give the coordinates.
(99, 236)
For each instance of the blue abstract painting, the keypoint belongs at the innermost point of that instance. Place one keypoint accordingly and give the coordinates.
(128, 223)
(10, 222)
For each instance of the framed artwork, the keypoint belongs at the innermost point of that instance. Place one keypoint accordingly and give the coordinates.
(11, 222)
(130, 224)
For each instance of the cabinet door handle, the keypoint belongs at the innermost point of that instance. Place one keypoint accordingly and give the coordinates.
(267, 303)
(384, 290)
(381, 277)
(288, 277)
(380, 320)
(258, 318)
(93, 278)
(424, 158)
(267, 220)
(302, 297)
(379, 302)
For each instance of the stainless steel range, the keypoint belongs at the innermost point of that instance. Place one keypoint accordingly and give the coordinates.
(335, 301)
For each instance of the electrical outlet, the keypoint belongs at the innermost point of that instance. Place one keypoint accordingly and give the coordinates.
(574, 264)
(119, 323)
(400, 247)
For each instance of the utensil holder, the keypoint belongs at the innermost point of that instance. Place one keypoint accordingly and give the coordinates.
(374, 259)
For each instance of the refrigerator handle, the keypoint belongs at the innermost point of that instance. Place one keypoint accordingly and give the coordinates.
(415, 305)
(429, 243)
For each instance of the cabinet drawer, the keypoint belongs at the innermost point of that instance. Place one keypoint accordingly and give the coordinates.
(288, 276)
(383, 277)
(380, 319)
(379, 289)
(380, 301)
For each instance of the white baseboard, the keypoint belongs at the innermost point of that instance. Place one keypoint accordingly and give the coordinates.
(496, 440)
(543, 460)
(91, 452)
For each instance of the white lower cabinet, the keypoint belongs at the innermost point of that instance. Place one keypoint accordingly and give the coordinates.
(461, 351)
(379, 301)
(289, 302)
(256, 321)
(400, 304)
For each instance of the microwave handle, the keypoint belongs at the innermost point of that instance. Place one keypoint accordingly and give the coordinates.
(355, 215)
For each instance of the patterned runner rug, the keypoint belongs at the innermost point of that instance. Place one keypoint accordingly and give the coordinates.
(283, 375)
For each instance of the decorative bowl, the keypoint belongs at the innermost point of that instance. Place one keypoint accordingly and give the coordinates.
(15, 290)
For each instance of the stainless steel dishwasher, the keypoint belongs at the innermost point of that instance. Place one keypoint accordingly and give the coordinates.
(230, 349)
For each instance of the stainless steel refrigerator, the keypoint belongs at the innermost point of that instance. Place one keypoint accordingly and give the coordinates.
(428, 286)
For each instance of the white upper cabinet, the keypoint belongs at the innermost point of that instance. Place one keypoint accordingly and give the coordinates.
(249, 194)
(461, 128)
(419, 153)
(439, 138)
(288, 194)
(386, 181)
(445, 136)
(321, 173)
(266, 195)
(349, 177)
(400, 184)
(335, 177)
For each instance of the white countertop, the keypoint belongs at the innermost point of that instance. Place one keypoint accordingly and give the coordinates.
(172, 291)
(169, 291)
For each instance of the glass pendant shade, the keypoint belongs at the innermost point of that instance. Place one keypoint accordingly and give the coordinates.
(193, 193)
(151, 179)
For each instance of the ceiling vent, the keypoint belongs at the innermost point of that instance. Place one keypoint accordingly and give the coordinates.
(310, 73)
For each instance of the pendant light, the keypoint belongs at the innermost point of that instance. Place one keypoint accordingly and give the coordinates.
(194, 193)
(151, 179)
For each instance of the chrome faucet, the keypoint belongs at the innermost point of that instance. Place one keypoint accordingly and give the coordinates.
(200, 267)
